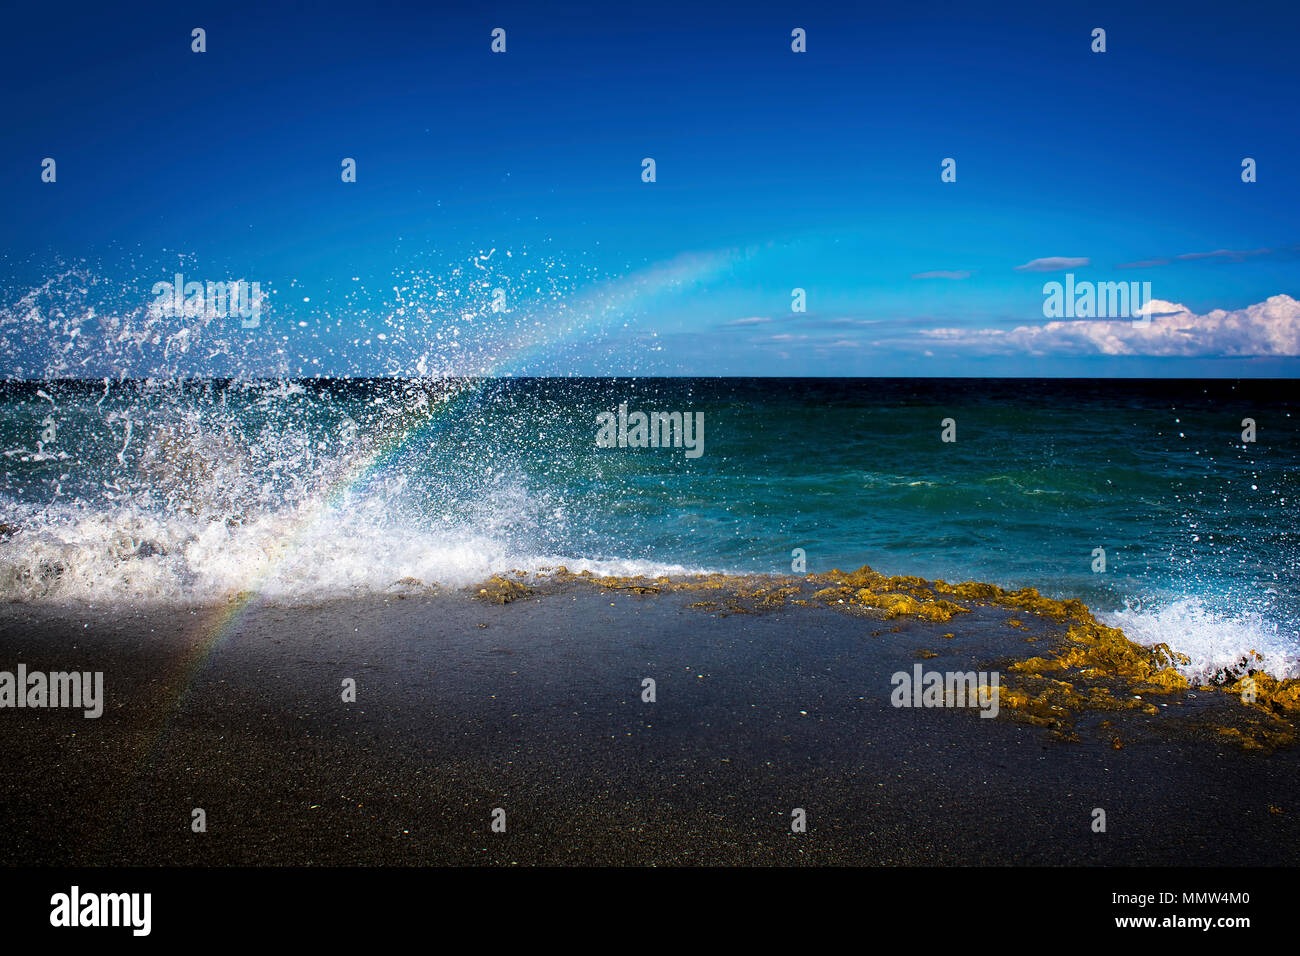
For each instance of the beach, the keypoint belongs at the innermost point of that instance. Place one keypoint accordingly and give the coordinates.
(535, 706)
(646, 448)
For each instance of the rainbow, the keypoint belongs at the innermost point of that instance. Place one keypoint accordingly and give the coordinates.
(586, 313)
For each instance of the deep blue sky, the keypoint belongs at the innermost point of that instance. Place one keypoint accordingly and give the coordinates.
(775, 170)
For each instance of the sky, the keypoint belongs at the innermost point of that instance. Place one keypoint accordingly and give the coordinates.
(774, 171)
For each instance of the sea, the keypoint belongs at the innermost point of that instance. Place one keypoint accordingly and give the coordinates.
(1171, 507)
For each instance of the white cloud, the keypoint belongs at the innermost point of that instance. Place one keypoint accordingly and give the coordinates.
(1268, 328)
(1053, 264)
(1236, 255)
(943, 274)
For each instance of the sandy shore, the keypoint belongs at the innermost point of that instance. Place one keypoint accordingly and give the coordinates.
(535, 706)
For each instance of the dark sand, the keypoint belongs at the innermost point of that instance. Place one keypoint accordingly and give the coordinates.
(535, 707)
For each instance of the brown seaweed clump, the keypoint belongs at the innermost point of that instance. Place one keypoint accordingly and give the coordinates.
(1094, 668)
(502, 590)
(863, 591)
(1272, 712)
(1096, 651)
(1277, 696)
(902, 596)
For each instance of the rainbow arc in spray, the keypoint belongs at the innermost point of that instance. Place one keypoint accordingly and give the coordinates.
(588, 312)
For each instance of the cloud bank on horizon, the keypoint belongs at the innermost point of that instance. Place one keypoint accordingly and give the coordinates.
(1167, 338)
(1266, 329)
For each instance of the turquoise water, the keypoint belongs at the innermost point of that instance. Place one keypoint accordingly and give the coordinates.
(307, 489)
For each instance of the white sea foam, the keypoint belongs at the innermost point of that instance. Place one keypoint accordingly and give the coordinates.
(1212, 639)
(132, 557)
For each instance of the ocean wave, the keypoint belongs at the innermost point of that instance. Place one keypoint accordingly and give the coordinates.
(1214, 640)
(132, 557)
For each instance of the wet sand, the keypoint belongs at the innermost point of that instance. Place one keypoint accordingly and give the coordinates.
(535, 707)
